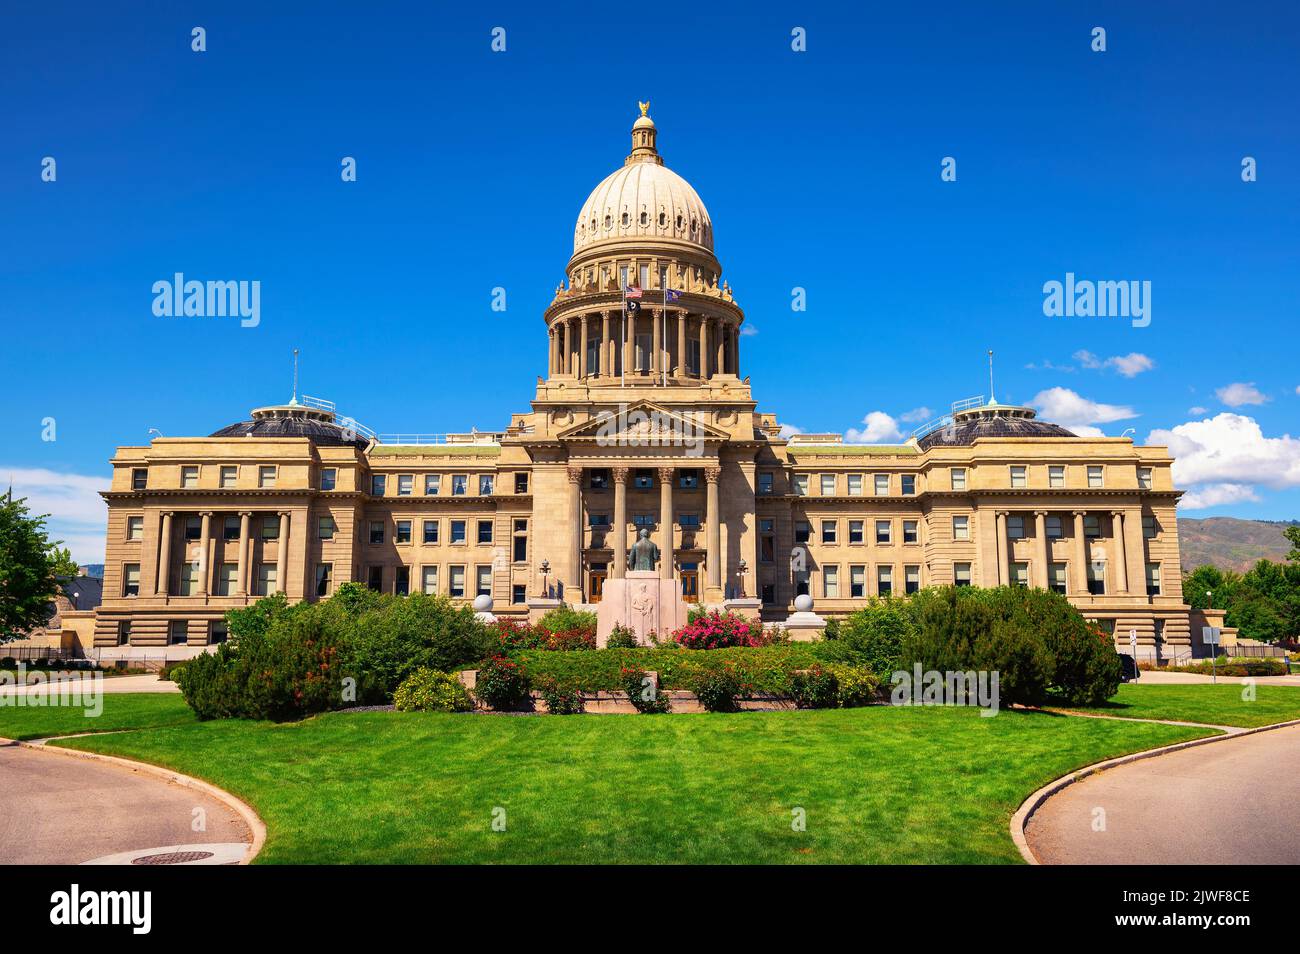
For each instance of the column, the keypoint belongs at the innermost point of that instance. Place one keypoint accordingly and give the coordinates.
(1003, 549)
(241, 584)
(1039, 578)
(1079, 572)
(575, 550)
(550, 351)
(666, 522)
(735, 350)
(606, 348)
(164, 554)
(1121, 551)
(282, 554)
(583, 370)
(629, 342)
(205, 543)
(704, 348)
(720, 367)
(656, 343)
(679, 369)
(713, 517)
(619, 569)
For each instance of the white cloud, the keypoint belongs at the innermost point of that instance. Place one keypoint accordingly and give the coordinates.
(877, 427)
(1235, 395)
(1198, 410)
(747, 331)
(1297, 389)
(916, 415)
(78, 514)
(1129, 365)
(1230, 449)
(1215, 495)
(1079, 414)
(1087, 359)
(789, 429)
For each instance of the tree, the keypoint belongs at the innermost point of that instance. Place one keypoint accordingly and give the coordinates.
(1292, 534)
(31, 567)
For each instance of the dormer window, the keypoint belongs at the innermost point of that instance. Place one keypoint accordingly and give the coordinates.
(645, 218)
(679, 223)
(625, 220)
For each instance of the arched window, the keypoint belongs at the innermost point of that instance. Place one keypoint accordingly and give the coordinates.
(645, 218)
(625, 220)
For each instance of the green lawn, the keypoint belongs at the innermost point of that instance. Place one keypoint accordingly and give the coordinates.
(122, 710)
(882, 784)
(1213, 704)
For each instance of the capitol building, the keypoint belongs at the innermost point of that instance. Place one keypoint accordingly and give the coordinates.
(644, 419)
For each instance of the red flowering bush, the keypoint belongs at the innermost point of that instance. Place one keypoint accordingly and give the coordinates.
(720, 631)
(502, 684)
(513, 635)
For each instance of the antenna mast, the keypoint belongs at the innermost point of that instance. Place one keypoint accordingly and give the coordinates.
(294, 399)
(992, 399)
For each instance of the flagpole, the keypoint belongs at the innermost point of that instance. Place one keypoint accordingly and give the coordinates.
(622, 378)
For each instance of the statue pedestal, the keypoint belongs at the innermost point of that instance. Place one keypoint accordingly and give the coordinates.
(643, 603)
(539, 606)
(749, 607)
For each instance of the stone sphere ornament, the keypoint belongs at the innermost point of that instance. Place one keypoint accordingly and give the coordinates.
(803, 603)
(483, 603)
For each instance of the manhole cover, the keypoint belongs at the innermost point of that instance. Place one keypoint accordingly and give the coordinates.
(171, 858)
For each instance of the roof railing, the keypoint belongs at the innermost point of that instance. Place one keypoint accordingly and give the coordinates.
(929, 427)
(318, 403)
(477, 438)
(967, 403)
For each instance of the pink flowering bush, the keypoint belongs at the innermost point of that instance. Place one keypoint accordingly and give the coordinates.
(717, 630)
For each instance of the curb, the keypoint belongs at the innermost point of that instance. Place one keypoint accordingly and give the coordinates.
(1034, 801)
(255, 824)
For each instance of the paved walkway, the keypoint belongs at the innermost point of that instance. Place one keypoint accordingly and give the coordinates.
(1190, 678)
(55, 809)
(111, 684)
(1230, 802)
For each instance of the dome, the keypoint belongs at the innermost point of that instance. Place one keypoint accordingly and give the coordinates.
(964, 427)
(293, 420)
(644, 199)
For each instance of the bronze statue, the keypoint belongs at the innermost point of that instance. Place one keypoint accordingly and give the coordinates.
(644, 554)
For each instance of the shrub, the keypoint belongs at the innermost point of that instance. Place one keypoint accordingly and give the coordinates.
(429, 690)
(642, 691)
(565, 618)
(169, 670)
(620, 637)
(815, 688)
(875, 634)
(512, 635)
(717, 630)
(856, 685)
(561, 699)
(502, 685)
(718, 688)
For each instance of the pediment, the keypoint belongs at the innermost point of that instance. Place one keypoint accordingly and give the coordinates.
(642, 422)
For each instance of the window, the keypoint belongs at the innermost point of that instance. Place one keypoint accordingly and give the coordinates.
(139, 480)
(598, 521)
(1091, 525)
(131, 579)
(227, 579)
(1096, 578)
(230, 528)
(517, 594)
(884, 580)
(376, 531)
(1056, 577)
(178, 632)
(485, 531)
(378, 484)
(1144, 478)
(402, 581)
(689, 479)
(430, 531)
(266, 581)
(323, 573)
(911, 531)
(432, 483)
(520, 542)
(767, 540)
(1018, 475)
(765, 482)
(909, 484)
(328, 478)
(483, 581)
(135, 528)
(957, 475)
(880, 485)
(1020, 574)
(1015, 526)
(266, 477)
(643, 479)
(270, 528)
(405, 485)
(124, 633)
(884, 531)
(801, 484)
(402, 532)
(456, 585)
(961, 528)
(642, 353)
(459, 485)
(485, 483)
(769, 593)
(375, 578)
(828, 485)
(1153, 579)
(802, 531)
(521, 483)
(429, 579)
(855, 485)
(218, 632)
(598, 479)
(911, 579)
(189, 476)
(961, 574)
(1094, 477)
(689, 521)
(857, 582)
(193, 528)
(646, 520)
(1053, 527)
(856, 534)
(1149, 526)
(229, 476)
(829, 531)
(831, 581)
(458, 532)
(1056, 476)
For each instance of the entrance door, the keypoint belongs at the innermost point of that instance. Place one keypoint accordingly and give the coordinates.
(690, 574)
(597, 585)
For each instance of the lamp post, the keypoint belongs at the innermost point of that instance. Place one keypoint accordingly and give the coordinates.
(546, 570)
(741, 569)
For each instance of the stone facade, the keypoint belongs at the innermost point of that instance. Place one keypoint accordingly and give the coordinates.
(643, 419)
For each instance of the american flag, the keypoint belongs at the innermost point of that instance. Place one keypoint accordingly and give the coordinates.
(632, 291)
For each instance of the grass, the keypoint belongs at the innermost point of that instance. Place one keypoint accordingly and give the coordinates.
(122, 710)
(879, 785)
(1211, 704)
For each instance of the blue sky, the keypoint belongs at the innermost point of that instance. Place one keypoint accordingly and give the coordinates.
(821, 170)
